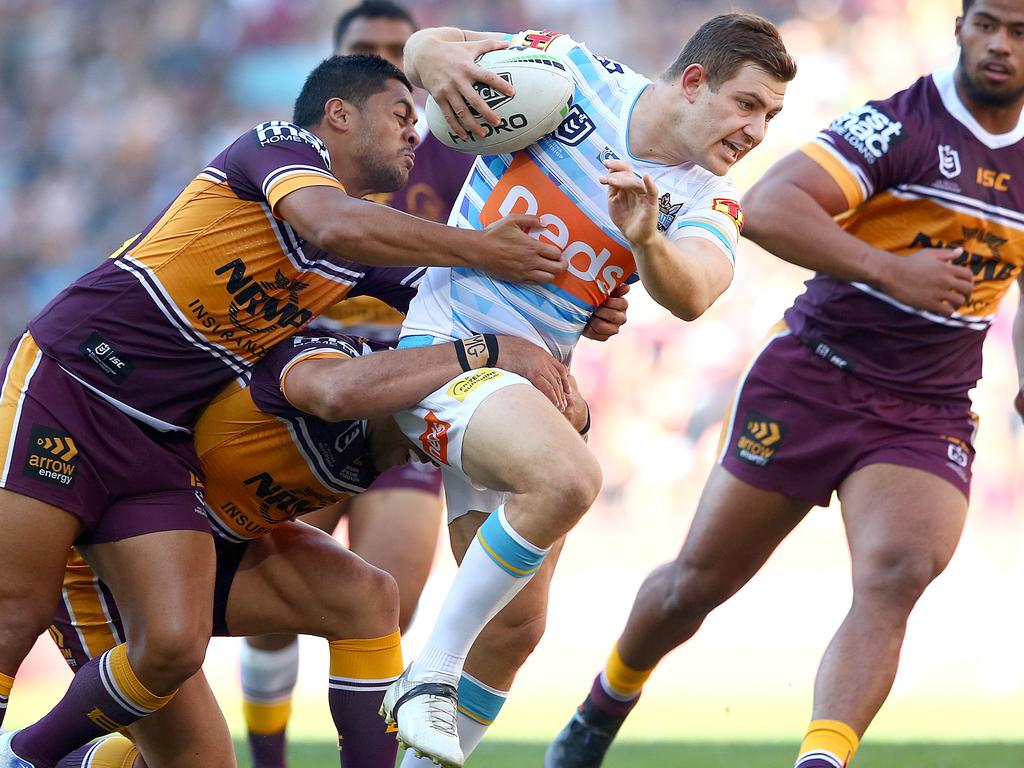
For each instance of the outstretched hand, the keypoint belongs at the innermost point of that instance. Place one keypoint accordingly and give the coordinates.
(632, 201)
(507, 252)
(449, 76)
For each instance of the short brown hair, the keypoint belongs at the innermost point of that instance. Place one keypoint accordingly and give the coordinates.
(725, 43)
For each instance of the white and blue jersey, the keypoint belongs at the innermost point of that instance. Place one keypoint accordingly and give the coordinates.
(557, 179)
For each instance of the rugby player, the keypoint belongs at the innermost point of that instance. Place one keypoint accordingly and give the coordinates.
(312, 426)
(111, 375)
(406, 497)
(675, 222)
(904, 209)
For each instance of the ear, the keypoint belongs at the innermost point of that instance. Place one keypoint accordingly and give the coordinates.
(690, 81)
(958, 29)
(338, 114)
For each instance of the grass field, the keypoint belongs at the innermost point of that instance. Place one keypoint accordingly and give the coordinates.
(703, 755)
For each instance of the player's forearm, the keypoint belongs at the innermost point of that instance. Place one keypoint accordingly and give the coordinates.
(786, 221)
(380, 236)
(679, 277)
(377, 384)
(420, 44)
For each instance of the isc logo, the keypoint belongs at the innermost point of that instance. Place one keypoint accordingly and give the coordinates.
(597, 263)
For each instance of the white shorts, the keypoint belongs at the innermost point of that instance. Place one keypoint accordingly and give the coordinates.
(437, 426)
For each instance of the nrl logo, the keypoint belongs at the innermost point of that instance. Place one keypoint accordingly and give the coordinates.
(949, 161)
(667, 212)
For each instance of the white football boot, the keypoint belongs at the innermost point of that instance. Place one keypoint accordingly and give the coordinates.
(425, 712)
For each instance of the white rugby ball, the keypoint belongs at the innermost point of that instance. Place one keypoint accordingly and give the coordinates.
(544, 89)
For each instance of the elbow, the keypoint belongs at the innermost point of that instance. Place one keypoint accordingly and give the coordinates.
(338, 402)
(691, 306)
(759, 209)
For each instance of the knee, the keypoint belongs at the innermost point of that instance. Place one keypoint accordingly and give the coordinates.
(694, 590)
(573, 483)
(893, 580)
(167, 653)
(364, 601)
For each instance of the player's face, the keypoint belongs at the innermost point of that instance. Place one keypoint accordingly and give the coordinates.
(991, 38)
(385, 138)
(383, 37)
(733, 120)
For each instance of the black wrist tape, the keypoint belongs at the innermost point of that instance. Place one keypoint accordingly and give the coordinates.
(478, 351)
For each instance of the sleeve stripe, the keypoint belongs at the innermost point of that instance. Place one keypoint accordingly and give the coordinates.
(836, 167)
(712, 227)
(278, 174)
(708, 231)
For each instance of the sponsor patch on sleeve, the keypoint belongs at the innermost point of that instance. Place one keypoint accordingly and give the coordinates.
(541, 39)
(730, 208)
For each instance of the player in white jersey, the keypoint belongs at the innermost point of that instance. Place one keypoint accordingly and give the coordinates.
(631, 183)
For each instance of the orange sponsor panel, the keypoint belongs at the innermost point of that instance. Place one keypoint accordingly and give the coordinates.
(597, 262)
(435, 438)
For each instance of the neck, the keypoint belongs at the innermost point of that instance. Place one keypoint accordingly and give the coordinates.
(993, 118)
(650, 138)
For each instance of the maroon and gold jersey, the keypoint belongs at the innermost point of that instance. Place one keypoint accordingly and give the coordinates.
(209, 286)
(918, 171)
(265, 461)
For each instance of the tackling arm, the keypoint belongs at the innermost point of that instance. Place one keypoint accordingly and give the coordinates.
(790, 213)
(336, 388)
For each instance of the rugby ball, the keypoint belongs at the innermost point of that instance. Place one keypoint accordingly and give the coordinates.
(544, 88)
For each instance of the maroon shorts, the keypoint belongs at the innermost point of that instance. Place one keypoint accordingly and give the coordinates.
(799, 425)
(65, 446)
(412, 476)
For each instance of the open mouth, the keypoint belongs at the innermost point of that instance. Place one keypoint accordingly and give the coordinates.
(996, 71)
(733, 150)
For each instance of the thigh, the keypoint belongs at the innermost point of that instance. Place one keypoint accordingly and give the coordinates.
(37, 538)
(901, 521)
(494, 428)
(163, 582)
(285, 577)
(736, 528)
(190, 731)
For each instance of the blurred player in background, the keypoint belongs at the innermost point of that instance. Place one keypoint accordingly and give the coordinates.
(906, 210)
(516, 477)
(313, 425)
(406, 497)
(112, 374)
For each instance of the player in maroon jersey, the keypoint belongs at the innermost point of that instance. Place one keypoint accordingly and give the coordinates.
(863, 389)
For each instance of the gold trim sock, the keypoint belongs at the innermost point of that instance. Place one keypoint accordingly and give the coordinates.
(827, 744)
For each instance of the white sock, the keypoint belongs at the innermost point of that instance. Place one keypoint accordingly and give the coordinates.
(269, 675)
(498, 564)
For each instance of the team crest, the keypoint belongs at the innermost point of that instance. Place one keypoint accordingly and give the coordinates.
(730, 208)
(667, 212)
(949, 161)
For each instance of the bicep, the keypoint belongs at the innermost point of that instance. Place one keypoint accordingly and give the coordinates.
(309, 210)
(795, 173)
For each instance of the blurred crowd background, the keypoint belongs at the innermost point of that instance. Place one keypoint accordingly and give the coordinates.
(110, 106)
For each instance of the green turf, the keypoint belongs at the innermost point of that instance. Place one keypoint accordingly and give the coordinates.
(701, 755)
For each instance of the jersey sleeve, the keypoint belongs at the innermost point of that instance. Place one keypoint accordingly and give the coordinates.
(713, 214)
(866, 150)
(268, 384)
(276, 158)
(395, 286)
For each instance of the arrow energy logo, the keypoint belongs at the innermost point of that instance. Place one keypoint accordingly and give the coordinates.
(52, 456)
(760, 439)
